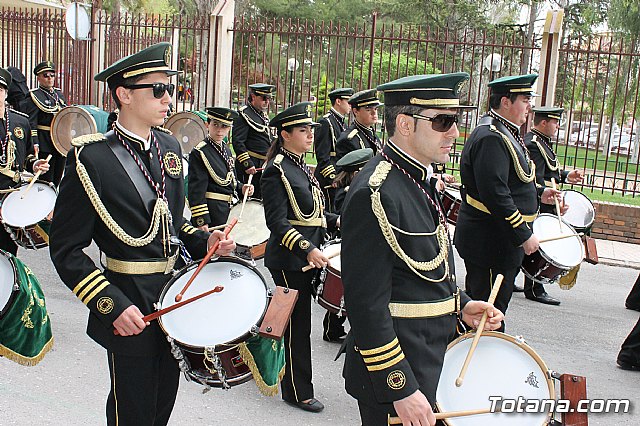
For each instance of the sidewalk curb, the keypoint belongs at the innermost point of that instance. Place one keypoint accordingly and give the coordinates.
(620, 263)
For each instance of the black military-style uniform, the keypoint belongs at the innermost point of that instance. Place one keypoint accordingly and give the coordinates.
(357, 136)
(79, 219)
(41, 106)
(298, 225)
(499, 201)
(251, 140)
(324, 139)
(389, 353)
(212, 183)
(542, 154)
(17, 124)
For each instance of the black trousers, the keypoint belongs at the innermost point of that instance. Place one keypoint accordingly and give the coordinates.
(6, 242)
(533, 288)
(143, 389)
(333, 326)
(296, 384)
(633, 299)
(479, 282)
(630, 351)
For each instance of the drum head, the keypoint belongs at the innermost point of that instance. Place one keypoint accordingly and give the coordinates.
(188, 128)
(252, 229)
(568, 252)
(333, 249)
(7, 280)
(70, 122)
(220, 317)
(453, 192)
(501, 366)
(581, 213)
(36, 205)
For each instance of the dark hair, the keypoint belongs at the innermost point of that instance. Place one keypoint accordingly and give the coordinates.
(537, 119)
(391, 112)
(125, 82)
(343, 178)
(496, 98)
(277, 144)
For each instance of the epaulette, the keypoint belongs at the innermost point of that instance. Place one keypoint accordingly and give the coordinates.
(352, 134)
(19, 113)
(162, 129)
(201, 145)
(278, 159)
(326, 115)
(242, 108)
(379, 175)
(33, 90)
(88, 139)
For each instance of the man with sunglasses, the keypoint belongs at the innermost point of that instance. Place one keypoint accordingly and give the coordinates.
(361, 132)
(398, 267)
(124, 190)
(499, 194)
(252, 135)
(43, 104)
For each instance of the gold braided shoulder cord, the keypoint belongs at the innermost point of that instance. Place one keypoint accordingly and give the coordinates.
(522, 175)
(375, 182)
(11, 156)
(260, 128)
(553, 167)
(317, 200)
(160, 212)
(217, 179)
(43, 107)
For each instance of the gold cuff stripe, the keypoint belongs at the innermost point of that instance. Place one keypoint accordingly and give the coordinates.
(387, 364)
(477, 204)
(518, 223)
(293, 242)
(190, 231)
(93, 294)
(199, 209)
(512, 215)
(515, 219)
(287, 235)
(98, 282)
(84, 281)
(379, 349)
(242, 157)
(388, 355)
(34, 132)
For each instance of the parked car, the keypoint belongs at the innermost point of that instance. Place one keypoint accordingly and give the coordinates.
(622, 143)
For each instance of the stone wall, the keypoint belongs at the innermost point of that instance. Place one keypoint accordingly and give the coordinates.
(617, 222)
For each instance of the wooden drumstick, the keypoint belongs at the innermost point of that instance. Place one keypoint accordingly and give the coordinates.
(168, 309)
(483, 320)
(447, 415)
(244, 199)
(213, 228)
(309, 267)
(204, 261)
(560, 237)
(34, 178)
(553, 184)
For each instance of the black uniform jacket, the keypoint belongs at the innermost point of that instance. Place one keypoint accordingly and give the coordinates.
(76, 223)
(289, 243)
(542, 154)
(41, 107)
(210, 172)
(357, 136)
(251, 138)
(325, 137)
(24, 154)
(389, 358)
(499, 197)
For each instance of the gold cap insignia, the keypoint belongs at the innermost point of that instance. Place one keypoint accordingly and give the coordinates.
(167, 56)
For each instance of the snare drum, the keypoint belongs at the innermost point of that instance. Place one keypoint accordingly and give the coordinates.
(503, 366)
(581, 214)
(451, 201)
(205, 334)
(330, 290)
(73, 121)
(251, 232)
(8, 284)
(554, 258)
(27, 219)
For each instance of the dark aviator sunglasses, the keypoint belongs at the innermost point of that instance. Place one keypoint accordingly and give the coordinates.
(441, 122)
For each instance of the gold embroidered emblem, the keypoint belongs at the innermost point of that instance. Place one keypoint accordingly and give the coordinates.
(304, 244)
(228, 114)
(396, 380)
(167, 56)
(19, 132)
(172, 164)
(105, 305)
(199, 221)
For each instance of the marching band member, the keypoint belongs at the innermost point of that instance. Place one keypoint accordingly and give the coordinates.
(361, 132)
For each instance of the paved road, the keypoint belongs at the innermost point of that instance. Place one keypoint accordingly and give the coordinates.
(69, 386)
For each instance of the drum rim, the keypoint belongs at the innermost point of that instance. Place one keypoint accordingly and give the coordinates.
(522, 345)
(232, 259)
(57, 145)
(329, 268)
(590, 224)
(552, 261)
(186, 115)
(16, 286)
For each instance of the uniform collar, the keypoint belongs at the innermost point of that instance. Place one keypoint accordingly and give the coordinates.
(362, 126)
(299, 158)
(337, 114)
(544, 137)
(412, 166)
(514, 127)
(145, 144)
(52, 90)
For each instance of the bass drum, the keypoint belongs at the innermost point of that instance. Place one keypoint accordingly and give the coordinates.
(188, 127)
(73, 121)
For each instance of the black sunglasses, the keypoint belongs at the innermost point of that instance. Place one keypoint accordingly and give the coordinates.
(48, 74)
(441, 122)
(158, 88)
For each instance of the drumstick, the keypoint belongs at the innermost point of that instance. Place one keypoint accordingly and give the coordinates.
(447, 415)
(204, 261)
(244, 199)
(213, 228)
(476, 338)
(166, 310)
(34, 178)
(553, 183)
(309, 267)
(560, 237)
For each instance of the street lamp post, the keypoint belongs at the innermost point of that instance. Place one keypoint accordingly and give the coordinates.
(292, 66)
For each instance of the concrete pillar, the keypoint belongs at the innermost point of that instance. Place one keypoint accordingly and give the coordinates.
(220, 54)
(549, 53)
